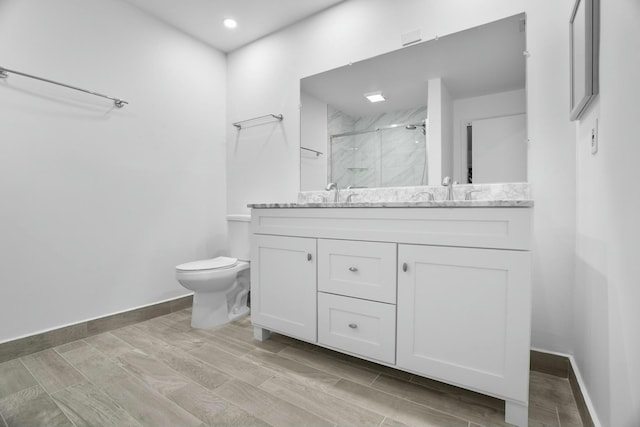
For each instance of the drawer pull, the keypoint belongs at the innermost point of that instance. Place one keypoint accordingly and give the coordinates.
(353, 269)
(309, 257)
(405, 267)
(353, 325)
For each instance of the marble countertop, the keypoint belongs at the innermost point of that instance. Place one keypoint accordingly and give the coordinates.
(429, 204)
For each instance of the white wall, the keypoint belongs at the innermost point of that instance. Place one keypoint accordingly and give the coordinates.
(607, 290)
(435, 128)
(480, 107)
(446, 105)
(98, 205)
(551, 167)
(439, 132)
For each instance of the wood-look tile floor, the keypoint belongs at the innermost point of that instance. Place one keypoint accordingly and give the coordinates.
(164, 373)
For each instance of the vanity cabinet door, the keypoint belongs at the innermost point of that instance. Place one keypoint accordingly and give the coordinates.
(464, 317)
(283, 285)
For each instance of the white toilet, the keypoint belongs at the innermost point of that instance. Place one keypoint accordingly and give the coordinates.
(220, 285)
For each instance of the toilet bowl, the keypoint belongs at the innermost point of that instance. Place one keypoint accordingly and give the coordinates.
(220, 290)
(220, 285)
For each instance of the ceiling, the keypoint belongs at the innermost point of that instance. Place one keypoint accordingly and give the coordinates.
(202, 19)
(478, 61)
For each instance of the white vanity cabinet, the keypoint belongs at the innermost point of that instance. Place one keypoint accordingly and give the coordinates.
(463, 317)
(283, 299)
(440, 292)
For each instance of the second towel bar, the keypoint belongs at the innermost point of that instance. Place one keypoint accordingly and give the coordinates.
(239, 124)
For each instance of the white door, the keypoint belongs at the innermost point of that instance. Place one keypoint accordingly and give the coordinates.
(464, 317)
(283, 285)
(499, 149)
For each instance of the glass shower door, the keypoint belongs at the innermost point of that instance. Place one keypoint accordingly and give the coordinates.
(355, 160)
(403, 159)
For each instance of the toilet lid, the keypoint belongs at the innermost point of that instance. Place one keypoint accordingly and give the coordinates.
(208, 264)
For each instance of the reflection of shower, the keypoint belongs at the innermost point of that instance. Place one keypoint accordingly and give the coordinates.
(413, 126)
(359, 161)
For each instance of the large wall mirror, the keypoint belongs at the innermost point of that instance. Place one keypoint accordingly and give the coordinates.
(454, 106)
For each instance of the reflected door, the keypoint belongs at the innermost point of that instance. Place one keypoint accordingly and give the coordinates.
(499, 149)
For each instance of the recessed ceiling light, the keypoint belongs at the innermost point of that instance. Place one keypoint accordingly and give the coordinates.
(374, 96)
(230, 23)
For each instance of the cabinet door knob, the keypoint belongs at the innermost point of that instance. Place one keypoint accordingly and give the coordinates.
(309, 257)
(353, 325)
(405, 267)
(353, 269)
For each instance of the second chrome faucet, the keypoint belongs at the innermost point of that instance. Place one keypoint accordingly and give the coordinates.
(449, 183)
(334, 186)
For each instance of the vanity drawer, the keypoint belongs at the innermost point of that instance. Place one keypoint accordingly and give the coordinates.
(357, 326)
(358, 269)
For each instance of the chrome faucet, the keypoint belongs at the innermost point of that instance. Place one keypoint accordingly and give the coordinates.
(334, 186)
(448, 182)
(350, 196)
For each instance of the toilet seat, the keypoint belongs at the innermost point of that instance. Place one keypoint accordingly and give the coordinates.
(218, 263)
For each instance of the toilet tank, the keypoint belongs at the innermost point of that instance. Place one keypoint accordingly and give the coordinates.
(239, 236)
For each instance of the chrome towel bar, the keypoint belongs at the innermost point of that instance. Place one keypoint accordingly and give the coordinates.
(239, 124)
(119, 103)
(316, 152)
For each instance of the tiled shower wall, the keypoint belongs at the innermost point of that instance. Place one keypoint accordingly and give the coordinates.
(391, 157)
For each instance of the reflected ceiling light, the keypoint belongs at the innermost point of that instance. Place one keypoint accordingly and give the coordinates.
(230, 23)
(374, 96)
